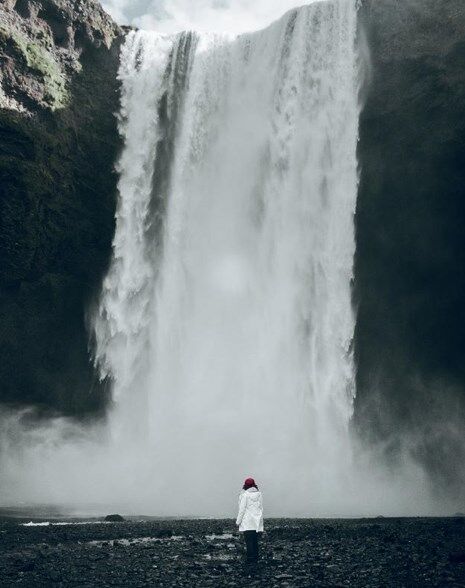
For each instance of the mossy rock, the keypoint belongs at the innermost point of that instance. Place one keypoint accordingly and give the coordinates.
(41, 61)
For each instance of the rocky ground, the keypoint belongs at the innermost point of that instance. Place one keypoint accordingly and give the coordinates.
(364, 552)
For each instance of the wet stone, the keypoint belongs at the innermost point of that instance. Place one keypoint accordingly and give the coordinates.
(194, 553)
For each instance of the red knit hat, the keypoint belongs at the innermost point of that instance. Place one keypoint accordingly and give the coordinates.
(249, 483)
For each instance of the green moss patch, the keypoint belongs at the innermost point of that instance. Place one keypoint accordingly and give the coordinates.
(38, 59)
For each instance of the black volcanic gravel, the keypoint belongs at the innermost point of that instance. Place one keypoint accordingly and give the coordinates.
(363, 552)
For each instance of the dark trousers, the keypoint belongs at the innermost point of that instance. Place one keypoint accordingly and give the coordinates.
(251, 544)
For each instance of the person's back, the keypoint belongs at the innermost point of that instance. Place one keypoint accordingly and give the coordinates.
(250, 517)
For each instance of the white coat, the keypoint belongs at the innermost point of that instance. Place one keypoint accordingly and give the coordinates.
(250, 517)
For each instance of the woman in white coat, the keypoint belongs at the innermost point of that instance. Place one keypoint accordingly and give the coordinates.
(250, 517)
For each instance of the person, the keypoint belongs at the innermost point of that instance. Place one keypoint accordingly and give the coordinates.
(250, 517)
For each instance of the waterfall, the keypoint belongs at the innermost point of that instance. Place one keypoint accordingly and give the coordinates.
(224, 324)
(225, 321)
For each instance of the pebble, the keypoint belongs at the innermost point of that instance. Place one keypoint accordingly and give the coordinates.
(355, 553)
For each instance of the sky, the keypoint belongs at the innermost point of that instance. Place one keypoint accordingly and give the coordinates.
(169, 16)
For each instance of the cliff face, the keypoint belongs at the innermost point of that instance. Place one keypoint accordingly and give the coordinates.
(58, 144)
(410, 283)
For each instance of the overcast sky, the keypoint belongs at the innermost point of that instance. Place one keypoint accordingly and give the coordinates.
(202, 15)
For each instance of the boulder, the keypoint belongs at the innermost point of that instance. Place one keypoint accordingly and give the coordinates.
(114, 518)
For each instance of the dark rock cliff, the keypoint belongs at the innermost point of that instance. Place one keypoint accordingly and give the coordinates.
(410, 280)
(58, 143)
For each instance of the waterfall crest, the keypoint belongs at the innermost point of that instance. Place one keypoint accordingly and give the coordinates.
(225, 321)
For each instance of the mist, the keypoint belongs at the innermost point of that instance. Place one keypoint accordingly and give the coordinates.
(78, 471)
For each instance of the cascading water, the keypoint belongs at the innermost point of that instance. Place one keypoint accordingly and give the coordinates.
(225, 321)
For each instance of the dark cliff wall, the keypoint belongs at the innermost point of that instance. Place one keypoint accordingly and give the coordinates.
(410, 222)
(58, 143)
